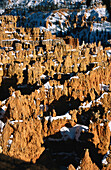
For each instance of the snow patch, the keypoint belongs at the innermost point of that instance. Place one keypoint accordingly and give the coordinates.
(15, 121)
(2, 125)
(72, 133)
(67, 116)
(104, 161)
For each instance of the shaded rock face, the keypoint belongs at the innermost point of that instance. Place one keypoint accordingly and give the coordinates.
(23, 140)
(7, 162)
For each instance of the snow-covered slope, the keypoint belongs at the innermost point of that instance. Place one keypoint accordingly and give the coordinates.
(61, 21)
(32, 3)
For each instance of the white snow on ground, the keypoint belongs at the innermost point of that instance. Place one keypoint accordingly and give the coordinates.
(67, 116)
(43, 106)
(13, 94)
(4, 108)
(101, 12)
(1, 11)
(105, 26)
(78, 168)
(96, 68)
(15, 121)
(38, 19)
(12, 40)
(43, 76)
(102, 96)
(104, 87)
(48, 86)
(104, 161)
(59, 86)
(108, 53)
(98, 12)
(4, 101)
(110, 126)
(31, 3)
(74, 77)
(2, 111)
(10, 141)
(101, 124)
(1, 125)
(72, 133)
(84, 105)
